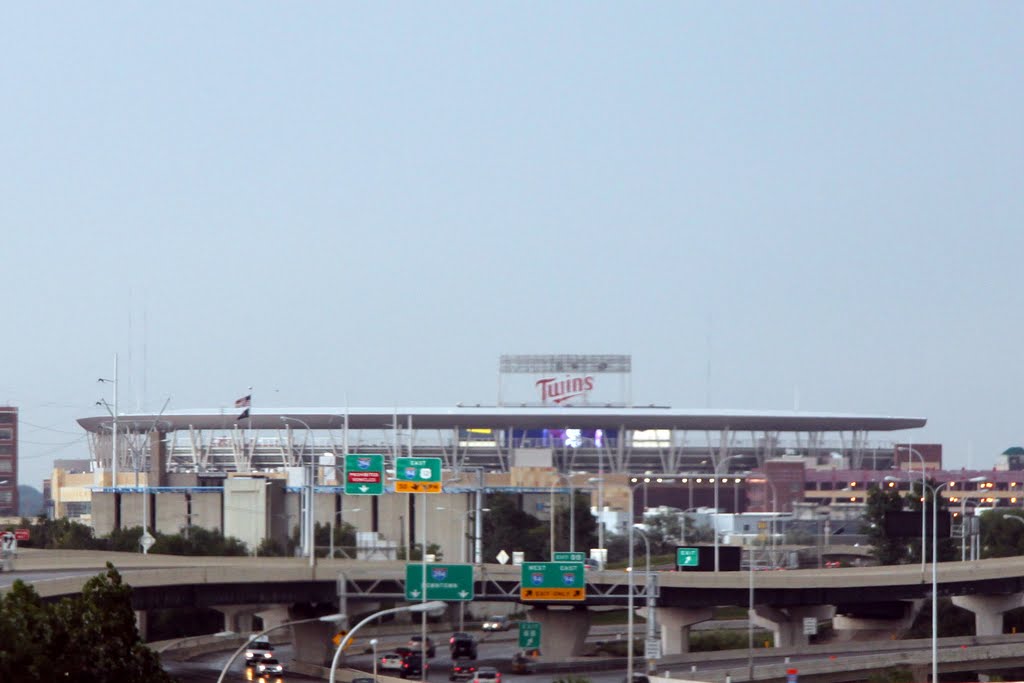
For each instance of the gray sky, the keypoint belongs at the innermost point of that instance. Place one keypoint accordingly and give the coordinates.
(374, 201)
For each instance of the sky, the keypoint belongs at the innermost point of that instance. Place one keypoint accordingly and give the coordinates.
(767, 205)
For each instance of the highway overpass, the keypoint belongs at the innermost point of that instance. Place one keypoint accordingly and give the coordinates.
(881, 598)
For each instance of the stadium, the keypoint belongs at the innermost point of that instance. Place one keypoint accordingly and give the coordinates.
(561, 424)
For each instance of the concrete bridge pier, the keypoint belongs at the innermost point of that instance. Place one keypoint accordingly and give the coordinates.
(563, 630)
(675, 626)
(787, 623)
(882, 623)
(238, 618)
(988, 610)
(142, 623)
(312, 642)
(273, 615)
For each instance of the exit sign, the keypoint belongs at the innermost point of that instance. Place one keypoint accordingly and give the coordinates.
(687, 557)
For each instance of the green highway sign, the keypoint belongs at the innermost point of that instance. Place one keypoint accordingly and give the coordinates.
(568, 557)
(364, 475)
(687, 557)
(417, 475)
(552, 581)
(449, 582)
(529, 635)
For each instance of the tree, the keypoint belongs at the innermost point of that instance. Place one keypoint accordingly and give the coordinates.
(947, 550)
(887, 549)
(508, 528)
(1001, 535)
(584, 522)
(90, 638)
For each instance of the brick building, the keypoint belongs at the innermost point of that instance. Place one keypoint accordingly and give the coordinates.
(8, 461)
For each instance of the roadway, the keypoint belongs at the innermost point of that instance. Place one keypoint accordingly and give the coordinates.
(833, 662)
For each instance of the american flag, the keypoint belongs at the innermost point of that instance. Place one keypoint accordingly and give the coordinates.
(244, 402)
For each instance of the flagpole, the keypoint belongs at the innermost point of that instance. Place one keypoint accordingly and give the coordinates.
(248, 433)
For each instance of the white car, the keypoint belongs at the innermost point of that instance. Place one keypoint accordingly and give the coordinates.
(497, 624)
(487, 674)
(269, 668)
(391, 661)
(258, 651)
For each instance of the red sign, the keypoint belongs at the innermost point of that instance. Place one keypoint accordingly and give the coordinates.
(359, 477)
(558, 391)
(21, 534)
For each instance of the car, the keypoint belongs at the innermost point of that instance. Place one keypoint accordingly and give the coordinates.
(487, 674)
(521, 663)
(412, 665)
(269, 669)
(461, 671)
(258, 651)
(392, 661)
(497, 623)
(416, 644)
(462, 645)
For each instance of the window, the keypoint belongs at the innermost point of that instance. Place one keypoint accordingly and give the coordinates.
(6, 433)
(78, 509)
(6, 496)
(6, 449)
(6, 465)
(7, 418)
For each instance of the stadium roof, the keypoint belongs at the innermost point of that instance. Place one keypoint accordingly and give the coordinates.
(633, 418)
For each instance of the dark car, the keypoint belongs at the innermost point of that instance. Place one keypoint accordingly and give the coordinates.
(462, 645)
(521, 664)
(412, 665)
(416, 644)
(461, 671)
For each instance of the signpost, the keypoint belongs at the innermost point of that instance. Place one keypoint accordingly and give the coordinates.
(652, 648)
(529, 635)
(552, 581)
(418, 475)
(364, 475)
(687, 557)
(568, 557)
(8, 548)
(146, 541)
(21, 534)
(449, 582)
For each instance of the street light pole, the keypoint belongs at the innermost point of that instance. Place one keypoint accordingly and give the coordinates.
(414, 607)
(647, 587)
(373, 644)
(572, 514)
(924, 481)
(629, 600)
(465, 516)
(718, 465)
(935, 580)
(308, 521)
